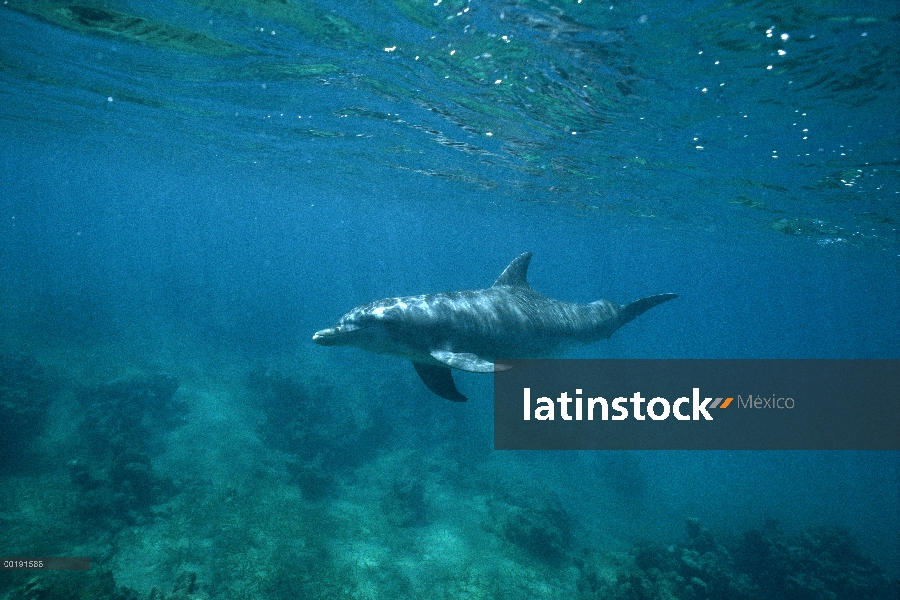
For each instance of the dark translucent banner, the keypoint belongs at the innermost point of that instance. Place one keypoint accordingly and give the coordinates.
(45, 563)
(697, 405)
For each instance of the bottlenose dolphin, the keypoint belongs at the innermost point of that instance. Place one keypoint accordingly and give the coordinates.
(469, 330)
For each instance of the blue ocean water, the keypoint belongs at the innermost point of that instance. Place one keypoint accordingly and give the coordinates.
(192, 188)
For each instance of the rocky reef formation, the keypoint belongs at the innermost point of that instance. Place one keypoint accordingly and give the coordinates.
(322, 432)
(820, 563)
(129, 413)
(121, 430)
(25, 395)
(66, 586)
(763, 564)
(533, 525)
(100, 585)
(406, 504)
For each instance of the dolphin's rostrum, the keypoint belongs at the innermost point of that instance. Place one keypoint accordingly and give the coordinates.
(469, 330)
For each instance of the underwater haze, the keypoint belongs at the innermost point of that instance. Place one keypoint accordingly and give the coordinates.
(190, 189)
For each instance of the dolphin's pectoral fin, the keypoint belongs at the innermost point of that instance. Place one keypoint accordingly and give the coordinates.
(439, 380)
(465, 361)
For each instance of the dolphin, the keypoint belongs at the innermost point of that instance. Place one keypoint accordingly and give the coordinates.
(469, 330)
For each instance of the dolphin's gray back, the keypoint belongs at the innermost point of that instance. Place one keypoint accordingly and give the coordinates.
(509, 321)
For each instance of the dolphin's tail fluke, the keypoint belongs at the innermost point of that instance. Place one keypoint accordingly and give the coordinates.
(639, 307)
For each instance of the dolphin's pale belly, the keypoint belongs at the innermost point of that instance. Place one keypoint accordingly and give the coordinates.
(502, 322)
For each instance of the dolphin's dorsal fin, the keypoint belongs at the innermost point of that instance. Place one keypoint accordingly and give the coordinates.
(516, 273)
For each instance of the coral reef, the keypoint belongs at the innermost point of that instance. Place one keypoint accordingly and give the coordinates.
(699, 568)
(100, 585)
(129, 413)
(766, 564)
(337, 496)
(537, 526)
(185, 588)
(544, 535)
(125, 494)
(123, 423)
(406, 504)
(322, 431)
(820, 563)
(25, 395)
(91, 585)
